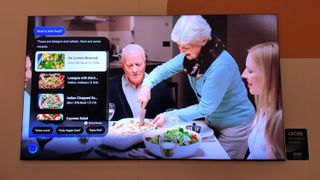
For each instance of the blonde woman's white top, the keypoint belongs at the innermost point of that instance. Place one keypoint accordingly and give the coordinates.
(257, 141)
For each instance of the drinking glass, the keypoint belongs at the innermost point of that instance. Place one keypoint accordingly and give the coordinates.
(112, 108)
(83, 141)
(171, 117)
(167, 143)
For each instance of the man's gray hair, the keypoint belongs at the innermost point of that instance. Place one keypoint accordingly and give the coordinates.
(132, 49)
(191, 29)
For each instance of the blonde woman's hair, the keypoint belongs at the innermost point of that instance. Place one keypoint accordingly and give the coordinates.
(268, 103)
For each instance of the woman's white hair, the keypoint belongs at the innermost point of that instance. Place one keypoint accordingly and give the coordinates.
(191, 29)
(132, 49)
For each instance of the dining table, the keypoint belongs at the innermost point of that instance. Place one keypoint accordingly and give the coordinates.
(96, 148)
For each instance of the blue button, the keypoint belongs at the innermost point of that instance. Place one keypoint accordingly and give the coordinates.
(32, 148)
(48, 30)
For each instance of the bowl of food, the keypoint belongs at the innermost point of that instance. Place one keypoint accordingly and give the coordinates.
(186, 142)
(126, 132)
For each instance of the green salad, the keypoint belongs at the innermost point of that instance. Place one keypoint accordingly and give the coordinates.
(184, 138)
(51, 61)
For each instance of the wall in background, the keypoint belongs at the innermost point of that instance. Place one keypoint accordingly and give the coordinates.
(297, 19)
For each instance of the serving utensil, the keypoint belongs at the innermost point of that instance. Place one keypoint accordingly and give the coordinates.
(142, 116)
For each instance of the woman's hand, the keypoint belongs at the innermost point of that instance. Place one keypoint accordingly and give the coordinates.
(144, 96)
(159, 120)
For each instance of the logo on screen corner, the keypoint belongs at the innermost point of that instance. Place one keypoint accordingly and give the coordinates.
(32, 148)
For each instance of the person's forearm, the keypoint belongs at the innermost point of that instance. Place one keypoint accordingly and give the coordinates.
(164, 71)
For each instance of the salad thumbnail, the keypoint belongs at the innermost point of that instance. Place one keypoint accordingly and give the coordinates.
(51, 61)
(50, 101)
(50, 117)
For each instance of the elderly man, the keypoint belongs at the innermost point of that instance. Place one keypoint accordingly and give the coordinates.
(124, 89)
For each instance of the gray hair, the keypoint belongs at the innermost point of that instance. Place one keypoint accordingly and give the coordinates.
(191, 29)
(132, 49)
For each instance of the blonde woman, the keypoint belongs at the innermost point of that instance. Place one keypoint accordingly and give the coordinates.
(263, 76)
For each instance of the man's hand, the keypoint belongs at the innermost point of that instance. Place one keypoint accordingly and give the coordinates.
(144, 96)
(159, 120)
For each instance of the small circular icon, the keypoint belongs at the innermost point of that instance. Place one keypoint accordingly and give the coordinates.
(85, 123)
(33, 148)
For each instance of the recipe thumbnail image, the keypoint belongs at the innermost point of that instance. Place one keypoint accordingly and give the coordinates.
(50, 117)
(51, 81)
(51, 60)
(50, 101)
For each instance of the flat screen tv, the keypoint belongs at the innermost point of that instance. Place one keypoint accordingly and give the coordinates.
(196, 87)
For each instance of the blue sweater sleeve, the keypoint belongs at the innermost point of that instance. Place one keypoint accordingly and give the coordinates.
(164, 71)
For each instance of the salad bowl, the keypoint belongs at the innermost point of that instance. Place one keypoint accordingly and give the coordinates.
(188, 142)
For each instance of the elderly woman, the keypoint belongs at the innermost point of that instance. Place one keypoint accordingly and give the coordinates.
(262, 73)
(215, 78)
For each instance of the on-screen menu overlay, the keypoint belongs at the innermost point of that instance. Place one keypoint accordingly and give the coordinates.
(69, 87)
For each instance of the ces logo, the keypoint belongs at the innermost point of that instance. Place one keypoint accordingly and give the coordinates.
(295, 133)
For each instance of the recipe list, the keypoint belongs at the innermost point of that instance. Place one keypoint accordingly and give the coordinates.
(69, 87)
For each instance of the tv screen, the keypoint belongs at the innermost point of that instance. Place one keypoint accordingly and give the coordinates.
(203, 87)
